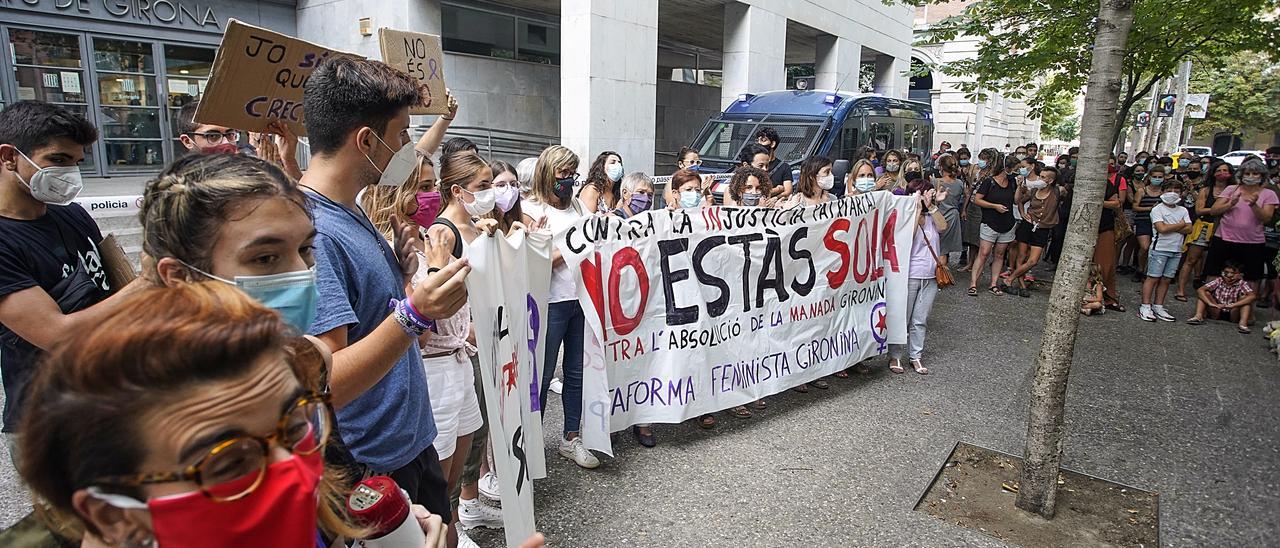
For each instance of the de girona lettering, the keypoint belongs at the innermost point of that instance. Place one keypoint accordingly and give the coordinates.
(853, 247)
(286, 78)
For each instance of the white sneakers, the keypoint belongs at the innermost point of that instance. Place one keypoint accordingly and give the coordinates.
(578, 453)
(473, 513)
(465, 541)
(1146, 314)
(1151, 313)
(556, 386)
(488, 486)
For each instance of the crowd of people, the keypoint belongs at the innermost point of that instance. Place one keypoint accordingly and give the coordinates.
(293, 331)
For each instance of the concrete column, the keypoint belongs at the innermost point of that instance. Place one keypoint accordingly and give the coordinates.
(336, 23)
(838, 61)
(608, 81)
(891, 79)
(755, 42)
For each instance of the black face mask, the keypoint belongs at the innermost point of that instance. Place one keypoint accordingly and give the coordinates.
(1273, 163)
(564, 189)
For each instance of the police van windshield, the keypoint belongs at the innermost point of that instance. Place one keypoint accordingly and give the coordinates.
(723, 138)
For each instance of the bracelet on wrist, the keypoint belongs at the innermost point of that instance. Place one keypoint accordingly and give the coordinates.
(447, 118)
(413, 323)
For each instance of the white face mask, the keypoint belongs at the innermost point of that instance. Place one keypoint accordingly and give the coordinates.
(481, 202)
(1170, 198)
(826, 182)
(614, 172)
(54, 185)
(400, 167)
(1036, 185)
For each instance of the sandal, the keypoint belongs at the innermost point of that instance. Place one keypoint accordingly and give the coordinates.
(803, 388)
(1244, 330)
(1195, 321)
(862, 368)
(741, 412)
(820, 384)
(1024, 292)
(842, 374)
(760, 405)
(896, 366)
(1115, 307)
(707, 422)
(1180, 298)
(995, 291)
(973, 291)
(919, 367)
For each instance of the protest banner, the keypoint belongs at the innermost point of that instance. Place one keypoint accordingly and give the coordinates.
(257, 78)
(499, 309)
(537, 273)
(699, 310)
(421, 57)
(1197, 105)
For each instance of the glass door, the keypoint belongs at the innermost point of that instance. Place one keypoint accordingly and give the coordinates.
(129, 105)
(50, 67)
(186, 70)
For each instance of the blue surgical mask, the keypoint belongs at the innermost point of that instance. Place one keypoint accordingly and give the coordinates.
(292, 294)
(982, 164)
(964, 162)
(1204, 168)
(690, 198)
(614, 172)
(864, 184)
(1184, 163)
(1155, 180)
(1023, 171)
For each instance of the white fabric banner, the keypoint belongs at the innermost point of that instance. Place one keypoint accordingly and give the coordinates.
(534, 262)
(499, 309)
(695, 311)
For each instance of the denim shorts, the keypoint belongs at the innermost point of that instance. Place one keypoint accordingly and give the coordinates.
(1163, 264)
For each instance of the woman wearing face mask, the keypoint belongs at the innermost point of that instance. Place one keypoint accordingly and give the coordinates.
(686, 188)
(899, 185)
(750, 187)
(506, 185)
(191, 416)
(1146, 196)
(922, 286)
(816, 182)
(1038, 199)
(637, 195)
(995, 195)
(600, 192)
(689, 159)
(1242, 210)
(964, 158)
(1197, 243)
(971, 213)
(861, 178)
(555, 209)
(892, 169)
(952, 239)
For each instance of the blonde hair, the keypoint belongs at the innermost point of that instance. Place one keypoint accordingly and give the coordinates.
(901, 181)
(380, 202)
(853, 174)
(553, 159)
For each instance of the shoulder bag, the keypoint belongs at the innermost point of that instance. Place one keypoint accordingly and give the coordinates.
(942, 273)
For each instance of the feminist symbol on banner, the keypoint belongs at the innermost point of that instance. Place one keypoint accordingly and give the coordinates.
(509, 369)
(517, 450)
(535, 383)
(878, 325)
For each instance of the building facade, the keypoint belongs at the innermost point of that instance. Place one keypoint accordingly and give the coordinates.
(634, 76)
(995, 122)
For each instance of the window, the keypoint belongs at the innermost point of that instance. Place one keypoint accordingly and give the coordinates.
(883, 135)
(129, 106)
(48, 66)
(186, 70)
(491, 34)
(848, 143)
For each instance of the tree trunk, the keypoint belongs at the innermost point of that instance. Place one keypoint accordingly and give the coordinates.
(1038, 488)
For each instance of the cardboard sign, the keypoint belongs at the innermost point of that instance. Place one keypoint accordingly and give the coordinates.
(420, 56)
(1197, 105)
(257, 78)
(119, 270)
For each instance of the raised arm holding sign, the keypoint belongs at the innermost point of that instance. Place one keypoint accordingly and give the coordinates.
(420, 56)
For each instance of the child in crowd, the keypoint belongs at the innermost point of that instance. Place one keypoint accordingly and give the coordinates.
(1170, 223)
(1092, 305)
(1226, 298)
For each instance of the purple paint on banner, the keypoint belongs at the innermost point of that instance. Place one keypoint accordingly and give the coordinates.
(535, 383)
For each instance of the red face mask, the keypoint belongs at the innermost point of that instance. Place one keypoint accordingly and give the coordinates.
(223, 148)
(1222, 176)
(280, 512)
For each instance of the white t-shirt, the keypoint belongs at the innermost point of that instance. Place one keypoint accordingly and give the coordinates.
(563, 285)
(1168, 242)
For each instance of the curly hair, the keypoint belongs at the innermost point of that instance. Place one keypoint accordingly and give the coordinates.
(738, 184)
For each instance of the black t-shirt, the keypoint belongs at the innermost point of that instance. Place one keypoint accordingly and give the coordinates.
(779, 172)
(59, 254)
(996, 194)
(1108, 219)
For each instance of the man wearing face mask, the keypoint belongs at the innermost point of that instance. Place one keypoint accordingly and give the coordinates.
(52, 280)
(357, 113)
(779, 171)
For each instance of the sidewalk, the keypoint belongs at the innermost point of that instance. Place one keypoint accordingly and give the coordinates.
(1182, 410)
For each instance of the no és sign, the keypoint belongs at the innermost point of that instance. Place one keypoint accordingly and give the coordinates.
(419, 56)
(258, 78)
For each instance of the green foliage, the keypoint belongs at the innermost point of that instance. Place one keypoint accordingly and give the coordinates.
(1244, 94)
(1067, 129)
(1058, 119)
(1041, 50)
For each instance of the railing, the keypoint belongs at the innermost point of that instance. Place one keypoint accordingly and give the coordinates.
(497, 143)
